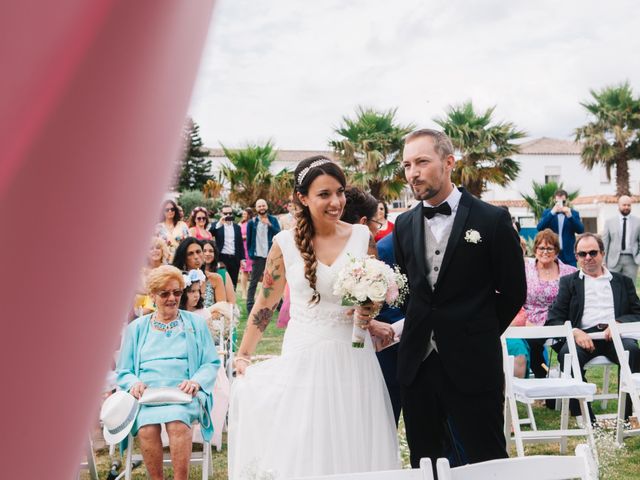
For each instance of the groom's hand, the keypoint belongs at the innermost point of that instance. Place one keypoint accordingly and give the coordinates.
(383, 331)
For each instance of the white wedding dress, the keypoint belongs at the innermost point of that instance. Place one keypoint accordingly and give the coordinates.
(322, 407)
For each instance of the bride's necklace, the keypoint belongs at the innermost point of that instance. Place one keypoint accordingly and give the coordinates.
(167, 328)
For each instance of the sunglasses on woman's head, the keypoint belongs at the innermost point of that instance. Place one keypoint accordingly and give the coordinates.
(165, 293)
(591, 253)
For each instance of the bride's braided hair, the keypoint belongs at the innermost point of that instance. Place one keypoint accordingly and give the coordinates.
(306, 172)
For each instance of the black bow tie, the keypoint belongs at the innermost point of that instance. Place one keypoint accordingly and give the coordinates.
(442, 209)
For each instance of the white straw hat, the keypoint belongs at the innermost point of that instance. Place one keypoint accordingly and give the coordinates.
(117, 414)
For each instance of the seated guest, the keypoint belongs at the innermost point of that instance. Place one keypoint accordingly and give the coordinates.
(169, 348)
(590, 298)
(543, 274)
(211, 264)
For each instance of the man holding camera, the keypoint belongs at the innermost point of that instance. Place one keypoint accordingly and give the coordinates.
(566, 223)
(229, 242)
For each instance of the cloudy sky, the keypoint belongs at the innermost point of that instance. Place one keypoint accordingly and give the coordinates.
(290, 70)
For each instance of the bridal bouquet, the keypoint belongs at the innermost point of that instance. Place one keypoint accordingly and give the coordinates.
(368, 280)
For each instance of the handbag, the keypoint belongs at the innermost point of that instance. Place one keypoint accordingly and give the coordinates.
(164, 396)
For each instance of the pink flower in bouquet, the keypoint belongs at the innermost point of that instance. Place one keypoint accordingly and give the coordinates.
(392, 293)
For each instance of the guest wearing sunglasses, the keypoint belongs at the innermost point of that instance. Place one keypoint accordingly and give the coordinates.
(198, 221)
(590, 298)
(543, 274)
(169, 348)
(228, 237)
(172, 229)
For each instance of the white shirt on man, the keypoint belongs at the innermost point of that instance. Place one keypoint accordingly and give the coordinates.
(598, 299)
(440, 223)
(229, 237)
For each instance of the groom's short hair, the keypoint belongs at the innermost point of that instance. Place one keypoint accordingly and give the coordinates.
(442, 143)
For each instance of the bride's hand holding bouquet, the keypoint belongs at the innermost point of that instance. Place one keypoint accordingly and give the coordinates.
(367, 283)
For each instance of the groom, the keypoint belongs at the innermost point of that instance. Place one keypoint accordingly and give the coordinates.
(466, 277)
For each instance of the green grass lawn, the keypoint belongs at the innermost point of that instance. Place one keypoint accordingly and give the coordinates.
(617, 463)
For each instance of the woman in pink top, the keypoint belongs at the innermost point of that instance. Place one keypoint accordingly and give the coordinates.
(245, 265)
(198, 221)
(543, 277)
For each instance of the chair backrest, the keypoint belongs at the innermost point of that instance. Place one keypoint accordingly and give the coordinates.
(425, 472)
(560, 331)
(619, 330)
(542, 467)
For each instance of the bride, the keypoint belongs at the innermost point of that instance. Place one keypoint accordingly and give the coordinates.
(322, 406)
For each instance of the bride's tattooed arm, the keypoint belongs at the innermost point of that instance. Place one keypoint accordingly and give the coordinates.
(262, 317)
(273, 283)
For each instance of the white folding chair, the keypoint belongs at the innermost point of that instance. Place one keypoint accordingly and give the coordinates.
(569, 385)
(629, 382)
(605, 395)
(539, 467)
(425, 472)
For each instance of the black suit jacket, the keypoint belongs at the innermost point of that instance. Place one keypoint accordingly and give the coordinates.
(480, 288)
(218, 234)
(569, 304)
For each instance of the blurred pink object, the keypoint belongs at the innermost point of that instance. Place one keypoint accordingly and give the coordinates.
(94, 96)
(284, 315)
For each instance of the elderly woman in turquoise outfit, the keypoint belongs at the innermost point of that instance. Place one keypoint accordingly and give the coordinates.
(169, 348)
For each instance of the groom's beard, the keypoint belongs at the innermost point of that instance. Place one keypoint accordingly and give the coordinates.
(428, 194)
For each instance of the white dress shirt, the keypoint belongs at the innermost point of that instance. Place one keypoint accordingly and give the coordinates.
(439, 223)
(598, 299)
(229, 237)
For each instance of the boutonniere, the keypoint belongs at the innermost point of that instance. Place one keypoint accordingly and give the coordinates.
(472, 236)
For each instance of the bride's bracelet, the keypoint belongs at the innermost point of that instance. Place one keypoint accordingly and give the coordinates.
(243, 359)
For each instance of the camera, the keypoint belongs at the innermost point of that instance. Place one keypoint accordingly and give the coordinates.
(228, 218)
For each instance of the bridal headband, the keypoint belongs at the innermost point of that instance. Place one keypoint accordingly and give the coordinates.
(305, 170)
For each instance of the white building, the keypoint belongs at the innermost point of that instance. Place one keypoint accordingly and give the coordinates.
(547, 159)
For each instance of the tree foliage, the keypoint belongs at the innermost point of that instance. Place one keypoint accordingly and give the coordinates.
(369, 147)
(611, 138)
(485, 148)
(543, 197)
(250, 178)
(196, 164)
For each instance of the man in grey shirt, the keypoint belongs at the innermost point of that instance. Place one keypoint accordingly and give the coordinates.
(260, 232)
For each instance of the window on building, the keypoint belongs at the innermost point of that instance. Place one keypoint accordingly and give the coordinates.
(551, 174)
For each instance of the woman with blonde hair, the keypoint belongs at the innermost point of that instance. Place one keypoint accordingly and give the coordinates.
(169, 348)
(321, 392)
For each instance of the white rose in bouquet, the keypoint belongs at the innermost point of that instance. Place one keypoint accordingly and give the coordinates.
(368, 280)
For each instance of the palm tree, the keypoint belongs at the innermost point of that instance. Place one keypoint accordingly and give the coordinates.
(543, 197)
(250, 177)
(369, 148)
(485, 150)
(612, 137)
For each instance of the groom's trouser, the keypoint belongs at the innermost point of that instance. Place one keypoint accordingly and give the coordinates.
(432, 398)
